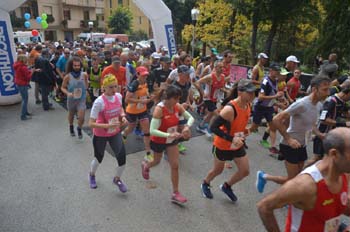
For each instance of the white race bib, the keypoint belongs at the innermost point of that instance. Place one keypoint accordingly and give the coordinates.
(140, 106)
(112, 121)
(170, 131)
(332, 224)
(237, 135)
(77, 93)
(323, 115)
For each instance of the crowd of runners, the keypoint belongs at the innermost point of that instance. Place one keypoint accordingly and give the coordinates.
(145, 91)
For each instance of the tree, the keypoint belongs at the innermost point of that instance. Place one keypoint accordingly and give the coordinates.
(120, 21)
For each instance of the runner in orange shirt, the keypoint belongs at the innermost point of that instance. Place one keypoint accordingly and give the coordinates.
(118, 71)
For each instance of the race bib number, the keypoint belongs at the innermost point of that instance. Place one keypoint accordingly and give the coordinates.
(77, 93)
(332, 224)
(170, 131)
(323, 115)
(237, 135)
(112, 121)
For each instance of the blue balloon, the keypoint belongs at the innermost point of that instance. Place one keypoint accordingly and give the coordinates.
(27, 24)
(38, 19)
(26, 16)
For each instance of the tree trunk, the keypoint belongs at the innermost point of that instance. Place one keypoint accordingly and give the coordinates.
(270, 38)
(255, 22)
(231, 28)
(204, 49)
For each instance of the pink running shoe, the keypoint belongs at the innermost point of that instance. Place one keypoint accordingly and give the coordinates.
(178, 198)
(145, 170)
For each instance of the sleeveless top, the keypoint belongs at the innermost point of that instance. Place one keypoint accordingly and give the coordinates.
(325, 216)
(271, 102)
(77, 87)
(138, 108)
(212, 92)
(260, 75)
(170, 121)
(95, 78)
(110, 113)
(238, 126)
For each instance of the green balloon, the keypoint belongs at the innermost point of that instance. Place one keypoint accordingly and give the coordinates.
(44, 24)
(43, 16)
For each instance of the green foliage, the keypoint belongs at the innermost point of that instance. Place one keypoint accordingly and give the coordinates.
(120, 21)
(138, 35)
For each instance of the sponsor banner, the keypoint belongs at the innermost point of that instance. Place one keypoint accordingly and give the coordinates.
(171, 39)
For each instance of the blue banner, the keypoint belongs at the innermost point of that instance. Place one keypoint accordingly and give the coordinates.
(169, 29)
(7, 84)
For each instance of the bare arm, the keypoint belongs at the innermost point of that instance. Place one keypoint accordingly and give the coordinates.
(255, 74)
(300, 191)
(64, 86)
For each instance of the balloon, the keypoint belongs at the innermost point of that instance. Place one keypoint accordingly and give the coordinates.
(26, 16)
(38, 19)
(27, 24)
(35, 33)
(44, 16)
(44, 24)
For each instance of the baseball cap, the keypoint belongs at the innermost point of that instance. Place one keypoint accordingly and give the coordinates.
(292, 59)
(165, 49)
(142, 70)
(115, 59)
(262, 55)
(214, 51)
(275, 67)
(183, 69)
(165, 59)
(246, 85)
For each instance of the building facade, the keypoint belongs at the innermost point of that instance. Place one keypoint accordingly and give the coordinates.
(68, 18)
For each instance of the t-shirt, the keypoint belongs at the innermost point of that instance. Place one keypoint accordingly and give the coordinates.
(303, 116)
(332, 108)
(99, 104)
(174, 76)
(158, 76)
(61, 63)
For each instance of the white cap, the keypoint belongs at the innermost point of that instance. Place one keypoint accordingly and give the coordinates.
(292, 59)
(262, 55)
(164, 49)
(155, 55)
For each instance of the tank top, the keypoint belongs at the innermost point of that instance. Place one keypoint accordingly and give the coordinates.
(212, 92)
(271, 102)
(110, 114)
(238, 126)
(170, 121)
(325, 216)
(95, 77)
(293, 92)
(260, 75)
(77, 87)
(140, 93)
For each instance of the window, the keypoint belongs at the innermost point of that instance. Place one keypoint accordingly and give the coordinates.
(140, 20)
(120, 2)
(48, 10)
(86, 15)
(24, 10)
(66, 15)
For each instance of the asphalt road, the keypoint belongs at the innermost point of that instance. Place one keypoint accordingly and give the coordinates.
(44, 184)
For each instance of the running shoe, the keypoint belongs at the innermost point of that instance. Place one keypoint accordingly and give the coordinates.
(57, 99)
(274, 150)
(265, 144)
(138, 132)
(208, 133)
(206, 192)
(260, 181)
(228, 191)
(178, 198)
(71, 131)
(181, 147)
(122, 187)
(145, 170)
(201, 129)
(37, 102)
(92, 181)
(80, 134)
(148, 157)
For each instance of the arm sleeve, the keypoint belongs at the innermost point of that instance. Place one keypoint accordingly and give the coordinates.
(155, 124)
(215, 128)
(189, 117)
